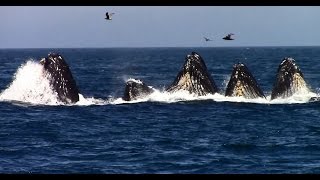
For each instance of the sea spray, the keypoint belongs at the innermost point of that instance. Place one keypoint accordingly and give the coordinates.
(30, 84)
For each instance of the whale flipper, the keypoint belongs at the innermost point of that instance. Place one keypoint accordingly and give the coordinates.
(289, 80)
(243, 84)
(194, 77)
(136, 89)
(61, 79)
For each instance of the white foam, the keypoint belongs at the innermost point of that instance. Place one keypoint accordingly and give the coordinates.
(135, 80)
(89, 101)
(302, 96)
(31, 85)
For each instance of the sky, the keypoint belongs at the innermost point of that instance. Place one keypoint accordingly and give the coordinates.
(158, 26)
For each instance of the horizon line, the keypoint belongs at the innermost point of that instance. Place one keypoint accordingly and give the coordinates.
(160, 47)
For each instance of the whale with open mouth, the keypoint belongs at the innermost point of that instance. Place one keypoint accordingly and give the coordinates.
(289, 80)
(60, 77)
(136, 89)
(194, 77)
(243, 84)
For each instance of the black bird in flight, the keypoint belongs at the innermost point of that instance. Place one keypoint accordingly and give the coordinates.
(108, 16)
(207, 39)
(228, 37)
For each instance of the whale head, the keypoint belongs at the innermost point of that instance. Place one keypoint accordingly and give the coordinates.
(194, 77)
(289, 79)
(243, 84)
(60, 76)
(136, 89)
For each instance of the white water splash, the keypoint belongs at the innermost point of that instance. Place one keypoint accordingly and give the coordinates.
(31, 85)
(135, 80)
(89, 101)
(301, 96)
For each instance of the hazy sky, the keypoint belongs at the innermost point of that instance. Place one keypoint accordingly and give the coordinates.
(157, 26)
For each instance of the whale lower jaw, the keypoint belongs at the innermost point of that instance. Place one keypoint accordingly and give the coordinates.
(298, 83)
(289, 80)
(243, 84)
(60, 77)
(296, 86)
(242, 89)
(193, 77)
(136, 89)
(188, 82)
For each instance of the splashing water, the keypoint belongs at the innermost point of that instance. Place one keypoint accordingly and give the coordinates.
(30, 85)
(89, 101)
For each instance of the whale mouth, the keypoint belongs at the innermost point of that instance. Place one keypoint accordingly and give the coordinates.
(243, 84)
(289, 79)
(194, 77)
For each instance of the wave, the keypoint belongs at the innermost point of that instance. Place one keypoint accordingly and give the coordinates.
(31, 85)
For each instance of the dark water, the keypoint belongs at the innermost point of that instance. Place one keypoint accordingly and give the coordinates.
(201, 136)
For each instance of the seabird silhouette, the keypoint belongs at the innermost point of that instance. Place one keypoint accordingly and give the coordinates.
(228, 37)
(108, 16)
(207, 39)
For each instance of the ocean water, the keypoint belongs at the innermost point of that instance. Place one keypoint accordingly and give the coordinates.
(161, 133)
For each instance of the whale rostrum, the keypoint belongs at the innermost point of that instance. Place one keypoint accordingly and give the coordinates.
(194, 77)
(61, 79)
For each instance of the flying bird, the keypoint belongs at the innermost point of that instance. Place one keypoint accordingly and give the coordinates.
(108, 16)
(207, 39)
(228, 37)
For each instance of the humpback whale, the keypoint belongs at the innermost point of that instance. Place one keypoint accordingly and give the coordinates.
(61, 79)
(289, 79)
(136, 89)
(243, 84)
(194, 77)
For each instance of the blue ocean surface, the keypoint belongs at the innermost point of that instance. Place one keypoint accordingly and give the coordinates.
(162, 133)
